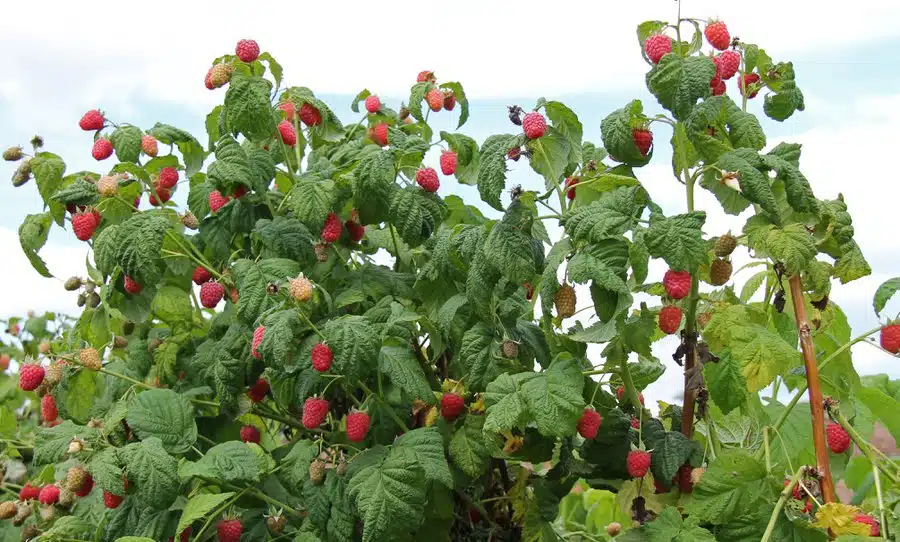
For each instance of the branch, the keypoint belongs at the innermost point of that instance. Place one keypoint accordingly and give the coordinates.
(785, 494)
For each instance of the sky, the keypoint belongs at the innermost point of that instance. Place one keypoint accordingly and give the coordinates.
(143, 65)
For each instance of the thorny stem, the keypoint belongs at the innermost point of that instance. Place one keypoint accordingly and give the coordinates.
(690, 328)
(785, 494)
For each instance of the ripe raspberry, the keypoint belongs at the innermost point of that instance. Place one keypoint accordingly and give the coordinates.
(890, 337)
(217, 200)
(749, 83)
(332, 229)
(220, 75)
(355, 230)
(30, 376)
(620, 394)
(49, 411)
(211, 293)
(315, 410)
(510, 349)
(357, 426)
(669, 319)
(131, 286)
(309, 115)
(317, 472)
(514, 154)
(868, 520)
(207, 81)
(92, 120)
(685, 484)
(300, 288)
(247, 50)
(90, 358)
(258, 334)
(838, 439)
(534, 125)
(727, 64)
(717, 86)
(4, 362)
(643, 138)
(589, 423)
(159, 196)
(635, 423)
(321, 357)
(452, 405)
(725, 245)
(719, 272)
(250, 433)
(288, 109)
(638, 463)
(427, 178)
(84, 224)
(448, 162)
(449, 100)
(379, 134)
(112, 501)
(373, 104)
(717, 35)
(149, 145)
(200, 275)
(435, 99)
(287, 132)
(657, 46)
(259, 390)
(168, 177)
(570, 184)
(565, 301)
(807, 508)
(102, 149)
(29, 492)
(426, 76)
(677, 283)
(49, 494)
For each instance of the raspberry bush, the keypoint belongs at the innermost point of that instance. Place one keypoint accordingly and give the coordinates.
(324, 345)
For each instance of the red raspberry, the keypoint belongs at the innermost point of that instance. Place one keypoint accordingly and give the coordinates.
(357, 426)
(514, 154)
(620, 394)
(84, 224)
(449, 100)
(677, 283)
(49, 494)
(30, 376)
(201, 275)
(355, 230)
(717, 86)
(379, 134)
(131, 286)
(669, 319)
(659, 487)
(258, 334)
(288, 133)
(4, 362)
(112, 501)
(684, 479)
(657, 46)
(890, 338)
(749, 83)
(534, 125)
(149, 145)
(86, 486)
(321, 357)
(159, 196)
(29, 492)
(448, 162)
(373, 104)
(435, 99)
(168, 177)
(638, 463)
(102, 149)
(229, 530)
(452, 405)
(427, 178)
(727, 64)
(211, 293)
(331, 231)
(570, 184)
(838, 439)
(247, 50)
(239, 192)
(207, 81)
(717, 35)
(807, 508)
(49, 412)
(589, 423)
(250, 433)
(217, 200)
(259, 390)
(868, 520)
(289, 110)
(425, 76)
(309, 115)
(315, 410)
(635, 423)
(92, 120)
(529, 291)
(643, 138)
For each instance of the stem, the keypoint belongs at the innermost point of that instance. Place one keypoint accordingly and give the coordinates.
(766, 449)
(127, 379)
(597, 372)
(785, 494)
(390, 410)
(312, 325)
(277, 418)
(630, 390)
(881, 515)
(218, 511)
(690, 328)
(396, 248)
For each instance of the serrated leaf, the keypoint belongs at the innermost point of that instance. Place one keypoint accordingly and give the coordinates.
(549, 283)
(135, 246)
(191, 150)
(411, 214)
(126, 141)
(725, 381)
(427, 445)
(467, 157)
(153, 472)
(549, 156)
(252, 280)
(172, 305)
(461, 100)
(165, 415)
(469, 447)
(506, 407)
(678, 82)
(554, 397)
(605, 263)
(782, 104)
(617, 135)
(355, 345)
(235, 461)
(106, 470)
(730, 486)
(247, 107)
(374, 186)
(669, 453)
(884, 293)
(610, 216)
(399, 363)
(678, 240)
(851, 265)
(477, 356)
(508, 246)
(32, 236)
(492, 167)
(199, 506)
(389, 494)
(566, 123)
(48, 170)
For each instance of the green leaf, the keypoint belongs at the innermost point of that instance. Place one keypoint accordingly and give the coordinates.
(32, 236)
(78, 394)
(851, 265)
(199, 506)
(247, 107)
(126, 141)
(678, 240)
(253, 278)
(549, 285)
(373, 186)
(172, 305)
(312, 200)
(566, 123)
(884, 293)
(791, 245)
(754, 185)
(416, 95)
(506, 407)
(232, 166)
(427, 445)
(135, 246)
(400, 364)
(669, 453)
(461, 100)
(508, 245)
(554, 397)
(731, 485)
(782, 104)
(684, 155)
(617, 134)
(549, 156)
(610, 216)
(469, 447)
(191, 150)
(669, 527)
(355, 345)
(166, 415)
(726, 382)
(477, 356)
(235, 461)
(106, 470)
(153, 471)
(285, 237)
(797, 189)
(678, 82)
(467, 158)
(883, 406)
(363, 94)
(605, 263)
(492, 167)
(48, 170)
(411, 212)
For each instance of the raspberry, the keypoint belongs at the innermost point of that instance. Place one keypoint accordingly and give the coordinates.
(635, 423)
(373, 104)
(643, 138)
(449, 100)
(659, 487)
(426, 76)
(168, 177)
(220, 75)
(13, 154)
(355, 230)
(357, 426)
(92, 120)
(102, 149)
(725, 245)
(8, 509)
(288, 133)
(200, 275)
(570, 184)
(717, 86)
(112, 501)
(890, 337)
(250, 433)
(620, 393)
(4, 362)
(807, 508)
(29, 492)
(565, 301)
(317, 472)
(749, 83)
(638, 463)
(49, 412)
(838, 439)
(589, 423)
(207, 81)
(331, 231)
(719, 272)
(108, 186)
(510, 349)
(685, 484)
(211, 293)
(259, 390)
(97, 216)
(189, 219)
(534, 125)
(84, 224)
(614, 528)
(669, 319)
(868, 520)
(514, 154)
(49, 494)
(239, 192)
(288, 109)
(131, 286)
(30, 376)
(379, 134)
(258, 334)
(149, 145)
(217, 200)
(452, 405)
(717, 35)
(276, 523)
(90, 358)
(657, 46)
(86, 487)
(300, 288)
(427, 178)
(435, 99)
(247, 50)
(315, 410)
(159, 196)
(727, 64)
(75, 477)
(448, 162)
(677, 283)
(529, 291)
(321, 357)
(309, 115)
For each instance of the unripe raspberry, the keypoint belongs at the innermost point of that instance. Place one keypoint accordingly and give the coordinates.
(300, 288)
(149, 145)
(220, 75)
(565, 301)
(108, 186)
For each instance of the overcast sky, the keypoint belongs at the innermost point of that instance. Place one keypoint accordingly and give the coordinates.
(143, 65)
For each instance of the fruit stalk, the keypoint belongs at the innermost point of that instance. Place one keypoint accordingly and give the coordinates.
(632, 392)
(690, 329)
(785, 495)
(815, 391)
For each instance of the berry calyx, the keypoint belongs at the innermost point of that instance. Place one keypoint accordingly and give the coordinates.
(258, 334)
(211, 293)
(669, 319)
(373, 104)
(331, 232)
(717, 35)
(889, 338)
(102, 149)
(315, 410)
(200, 275)
(435, 99)
(287, 132)
(677, 283)
(534, 125)
(838, 438)
(427, 178)
(638, 463)
(131, 286)
(448, 162)
(357, 426)
(643, 138)
(30, 376)
(310, 115)
(657, 46)
(250, 433)
(321, 356)
(589, 423)
(452, 405)
(92, 120)
(217, 200)
(247, 50)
